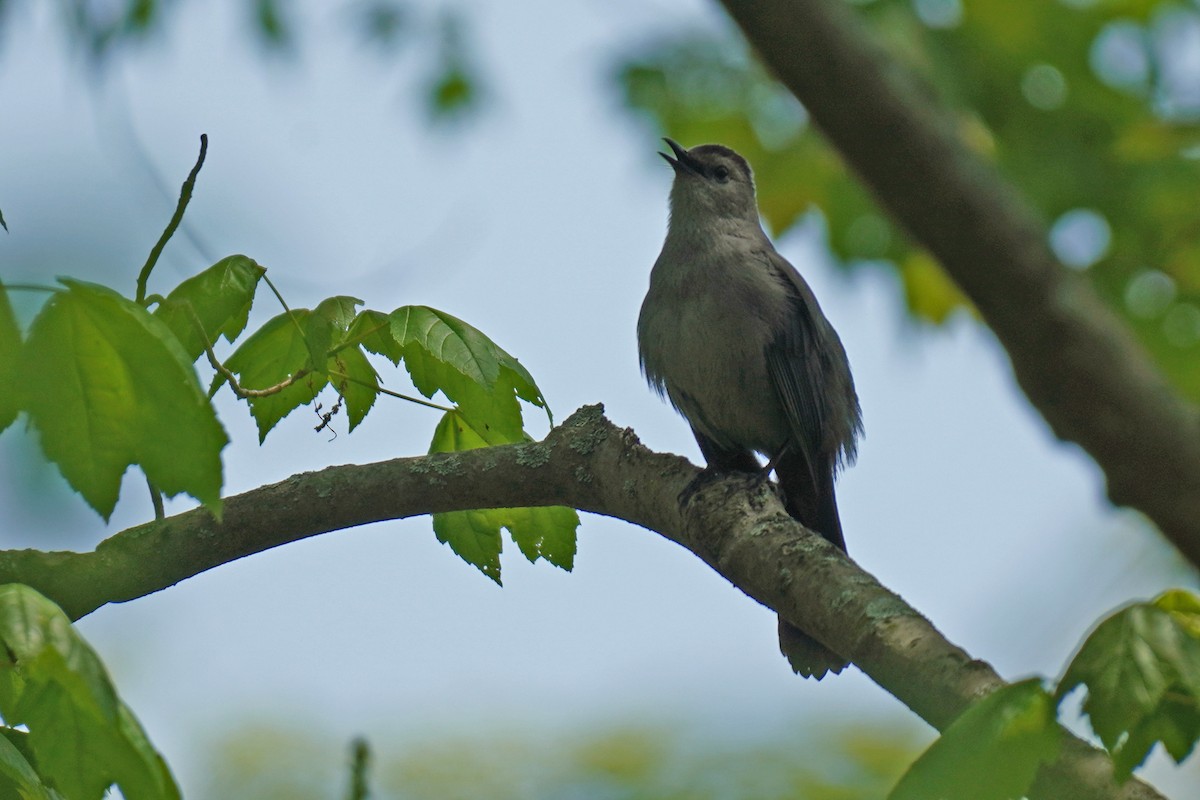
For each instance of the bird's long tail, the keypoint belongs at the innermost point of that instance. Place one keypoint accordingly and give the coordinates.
(818, 512)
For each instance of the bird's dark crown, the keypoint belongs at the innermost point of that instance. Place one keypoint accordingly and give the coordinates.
(709, 154)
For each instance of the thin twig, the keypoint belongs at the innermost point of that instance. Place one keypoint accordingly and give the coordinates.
(225, 372)
(185, 195)
(244, 393)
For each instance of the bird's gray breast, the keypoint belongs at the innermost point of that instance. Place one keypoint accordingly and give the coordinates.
(702, 335)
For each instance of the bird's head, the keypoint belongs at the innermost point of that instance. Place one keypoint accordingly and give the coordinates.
(710, 181)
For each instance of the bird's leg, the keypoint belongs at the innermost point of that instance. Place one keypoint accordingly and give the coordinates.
(710, 474)
(725, 459)
(721, 462)
(775, 459)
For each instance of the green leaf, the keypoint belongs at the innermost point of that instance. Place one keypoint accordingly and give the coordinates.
(360, 385)
(448, 340)
(455, 433)
(327, 326)
(340, 312)
(269, 357)
(473, 536)
(1175, 722)
(495, 415)
(443, 353)
(10, 347)
(546, 532)
(1184, 607)
(315, 341)
(1141, 667)
(153, 778)
(373, 330)
(107, 385)
(991, 752)
(84, 739)
(219, 298)
(18, 778)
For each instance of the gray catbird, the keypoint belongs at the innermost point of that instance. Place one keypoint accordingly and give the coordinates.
(734, 338)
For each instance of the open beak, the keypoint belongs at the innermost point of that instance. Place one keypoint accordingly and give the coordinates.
(681, 161)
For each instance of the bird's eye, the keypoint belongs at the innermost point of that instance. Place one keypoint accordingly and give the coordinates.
(721, 173)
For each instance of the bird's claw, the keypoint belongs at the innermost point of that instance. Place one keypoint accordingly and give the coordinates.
(710, 474)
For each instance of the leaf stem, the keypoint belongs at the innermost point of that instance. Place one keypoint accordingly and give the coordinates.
(30, 287)
(278, 296)
(185, 195)
(389, 392)
(287, 310)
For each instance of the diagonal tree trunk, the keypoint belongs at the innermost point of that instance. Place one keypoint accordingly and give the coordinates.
(1075, 359)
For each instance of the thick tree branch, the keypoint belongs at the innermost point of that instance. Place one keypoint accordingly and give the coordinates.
(1074, 358)
(736, 526)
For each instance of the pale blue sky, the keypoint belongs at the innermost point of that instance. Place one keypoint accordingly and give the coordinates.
(538, 225)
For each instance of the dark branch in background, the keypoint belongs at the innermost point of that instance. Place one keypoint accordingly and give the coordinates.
(185, 196)
(737, 526)
(360, 760)
(1077, 362)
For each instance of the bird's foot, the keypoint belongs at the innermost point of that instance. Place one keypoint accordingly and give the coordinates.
(764, 475)
(710, 474)
(706, 477)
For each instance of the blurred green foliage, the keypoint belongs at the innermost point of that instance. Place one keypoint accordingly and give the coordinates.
(454, 87)
(629, 763)
(1090, 107)
(99, 27)
(272, 23)
(450, 85)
